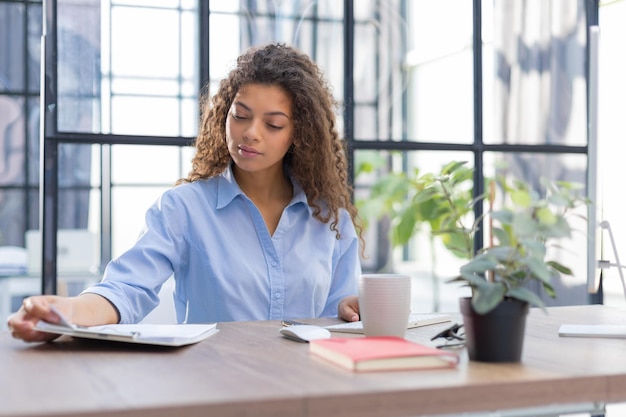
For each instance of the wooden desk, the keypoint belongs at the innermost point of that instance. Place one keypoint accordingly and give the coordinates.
(248, 369)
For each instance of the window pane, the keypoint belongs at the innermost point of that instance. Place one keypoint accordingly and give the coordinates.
(365, 83)
(74, 194)
(148, 52)
(74, 165)
(78, 40)
(12, 217)
(327, 51)
(146, 164)
(116, 79)
(535, 74)
(129, 208)
(440, 71)
(365, 129)
(281, 10)
(73, 208)
(413, 68)
(187, 153)
(96, 167)
(33, 210)
(11, 47)
(147, 3)
(142, 115)
(19, 75)
(34, 47)
(330, 9)
(95, 212)
(32, 129)
(12, 141)
(224, 44)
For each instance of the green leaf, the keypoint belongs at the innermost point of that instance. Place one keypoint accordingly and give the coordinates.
(521, 198)
(452, 166)
(487, 297)
(546, 216)
(560, 268)
(524, 294)
(368, 160)
(428, 209)
(427, 194)
(549, 290)
(536, 249)
(560, 229)
(502, 216)
(524, 225)
(372, 208)
(502, 236)
(404, 229)
(503, 254)
(479, 264)
(539, 269)
(473, 280)
(458, 243)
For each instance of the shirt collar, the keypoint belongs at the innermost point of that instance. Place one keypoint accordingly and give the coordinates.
(228, 190)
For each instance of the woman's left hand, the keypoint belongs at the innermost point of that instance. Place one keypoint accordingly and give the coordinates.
(349, 308)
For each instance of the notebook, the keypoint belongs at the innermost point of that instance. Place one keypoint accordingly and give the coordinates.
(361, 354)
(415, 320)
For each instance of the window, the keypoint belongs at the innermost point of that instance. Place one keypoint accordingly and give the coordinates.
(420, 83)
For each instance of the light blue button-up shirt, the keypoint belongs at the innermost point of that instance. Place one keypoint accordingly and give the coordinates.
(226, 265)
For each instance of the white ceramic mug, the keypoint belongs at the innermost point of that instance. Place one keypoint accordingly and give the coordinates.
(385, 304)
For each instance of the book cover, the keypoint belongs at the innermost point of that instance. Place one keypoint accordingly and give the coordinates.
(362, 354)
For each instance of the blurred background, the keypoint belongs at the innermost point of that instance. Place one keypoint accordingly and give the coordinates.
(92, 134)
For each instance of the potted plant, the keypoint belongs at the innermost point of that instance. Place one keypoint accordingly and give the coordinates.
(522, 233)
(524, 230)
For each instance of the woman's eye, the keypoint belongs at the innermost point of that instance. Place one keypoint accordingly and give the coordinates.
(237, 116)
(271, 126)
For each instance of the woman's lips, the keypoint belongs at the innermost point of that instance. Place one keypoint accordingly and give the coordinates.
(247, 151)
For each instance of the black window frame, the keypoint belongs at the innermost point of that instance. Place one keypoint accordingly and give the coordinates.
(51, 138)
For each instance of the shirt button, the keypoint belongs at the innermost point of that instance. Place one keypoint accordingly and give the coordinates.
(274, 264)
(278, 295)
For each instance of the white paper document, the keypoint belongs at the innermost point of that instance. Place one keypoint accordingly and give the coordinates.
(617, 331)
(150, 334)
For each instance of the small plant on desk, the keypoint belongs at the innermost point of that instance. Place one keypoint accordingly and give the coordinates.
(521, 234)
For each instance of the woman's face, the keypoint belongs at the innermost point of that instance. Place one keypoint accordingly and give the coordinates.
(259, 127)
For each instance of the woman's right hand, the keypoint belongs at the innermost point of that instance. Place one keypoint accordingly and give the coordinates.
(35, 308)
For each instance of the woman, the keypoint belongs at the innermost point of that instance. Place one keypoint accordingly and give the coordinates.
(262, 228)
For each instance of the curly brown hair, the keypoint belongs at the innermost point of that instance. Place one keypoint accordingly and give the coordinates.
(317, 158)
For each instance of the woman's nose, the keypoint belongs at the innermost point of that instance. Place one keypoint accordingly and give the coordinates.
(253, 130)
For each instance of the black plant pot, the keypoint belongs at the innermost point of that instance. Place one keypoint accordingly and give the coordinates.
(497, 336)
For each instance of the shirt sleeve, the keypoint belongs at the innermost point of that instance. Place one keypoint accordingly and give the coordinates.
(132, 281)
(347, 267)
